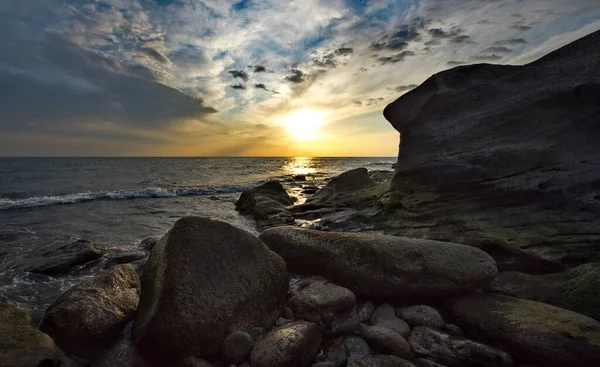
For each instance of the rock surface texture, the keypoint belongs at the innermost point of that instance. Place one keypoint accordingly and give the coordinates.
(64, 258)
(402, 268)
(504, 158)
(204, 280)
(532, 332)
(292, 345)
(381, 361)
(94, 312)
(267, 203)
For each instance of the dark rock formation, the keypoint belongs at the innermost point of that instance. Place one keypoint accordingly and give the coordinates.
(357, 348)
(504, 158)
(422, 315)
(94, 312)
(23, 346)
(385, 341)
(402, 268)
(381, 361)
(348, 189)
(577, 289)
(62, 259)
(532, 332)
(236, 347)
(292, 345)
(267, 203)
(385, 316)
(454, 351)
(331, 307)
(204, 280)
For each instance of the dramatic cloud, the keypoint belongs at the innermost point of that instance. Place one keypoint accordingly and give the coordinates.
(399, 57)
(296, 76)
(512, 41)
(239, 74)
(259, 69)
(497, 49)
(239, 86)
(156, 55)
(261, 86)
(484, 58)
(455, 62)
(404, 88)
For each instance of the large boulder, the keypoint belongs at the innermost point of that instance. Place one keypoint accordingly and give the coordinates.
(62, 259)
(94, 312)
(381, 361)
(204, 280)
(422, 315)
(21, 345)
(577, 289)
(385, 341)
(332, 307)
(267, 203)
(291, 345)
(530, 331)
(505, 158)
(454, 351)
(401, 268)
(385, 316)
(348, 188)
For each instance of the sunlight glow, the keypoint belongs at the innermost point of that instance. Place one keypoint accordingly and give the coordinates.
(304, 124)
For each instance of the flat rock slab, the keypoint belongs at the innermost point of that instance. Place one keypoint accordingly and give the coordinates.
(401, 268)
(64, 258)
(530, 331)
(94, 312)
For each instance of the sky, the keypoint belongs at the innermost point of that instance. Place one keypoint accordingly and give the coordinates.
(249, 77)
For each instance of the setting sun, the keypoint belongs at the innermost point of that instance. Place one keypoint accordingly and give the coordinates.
(304, 124)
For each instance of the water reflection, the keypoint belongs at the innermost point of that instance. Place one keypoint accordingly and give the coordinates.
(300, 166)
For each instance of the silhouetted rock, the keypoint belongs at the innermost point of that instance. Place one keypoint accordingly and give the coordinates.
(385, 316)
(64, 258)
(385, 341)
(348, 189)
(292, 345)
(267, 203)
(204, 280)
(504, 158)
(422, 315)
(383, 266)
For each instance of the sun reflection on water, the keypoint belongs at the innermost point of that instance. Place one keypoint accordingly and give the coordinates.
(300, 166)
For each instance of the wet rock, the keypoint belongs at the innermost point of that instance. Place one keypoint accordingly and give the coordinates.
(292, 345)
(357, 348)
(349, 189)
(192, 362)
(381, 176)
(337, 353)
(64, 258)
(328, 305)
(454, 351)
(453, 330)
(282, 321)
(236, 347)
(267, 203)
(148, 243)
(577, 289)
(403, 268)
(422, 315)
(204, 280)
(385, 316)
(385, 340)
(365, 311)
(381, 361)
(123, 256)
(93, 313)
(23, 346)
(530, 331)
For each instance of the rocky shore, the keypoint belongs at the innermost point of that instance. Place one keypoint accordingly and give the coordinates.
(480, 249)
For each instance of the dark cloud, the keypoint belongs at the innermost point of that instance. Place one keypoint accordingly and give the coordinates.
(455, 62)
(484, 21)
(329, 60)
(154, 54)
(239, 74)
(399, 57)
(403, 88)
(400, 38)
(296, 76)
(373, 101)
(497, 49)
(454, 35)
(512, 41)
(239, 86)
(521, 27)
(343, 51)
(357, 103)
(261, 86)
(259, 69)
(484, 58)
(462, 39)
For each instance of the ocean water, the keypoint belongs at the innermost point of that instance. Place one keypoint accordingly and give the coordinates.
(117, 202)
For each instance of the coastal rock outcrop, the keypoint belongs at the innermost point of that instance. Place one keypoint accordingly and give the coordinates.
(330, 306)
(532, 332)
(577, 289)
(64, 258)
(267, 203)
(292, 345)
(454, 351)
(403, 268)
(349, 189)
(23, 346)
(504, 158)
(94, 312)
(205, 279)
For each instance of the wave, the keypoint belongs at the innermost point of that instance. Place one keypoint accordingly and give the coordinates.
(147, 193)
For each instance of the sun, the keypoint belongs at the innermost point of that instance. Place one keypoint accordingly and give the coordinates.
(304, 124)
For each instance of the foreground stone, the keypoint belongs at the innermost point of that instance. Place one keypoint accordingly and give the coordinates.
(381, 361)
(422, 315)
(64, 258)
(357, 348)
(504, 158)
(402, 268)
(453, 351)
(577, 289)
(330, 306)
(23, 346)
(530, 331)
(236, 347)
(385, 316)
(347, 189)
(204, 280)
(94, 312)
(385, 340)
(267, 203)
(292, 345)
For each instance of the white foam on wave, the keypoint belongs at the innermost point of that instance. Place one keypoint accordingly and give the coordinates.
(147, 193)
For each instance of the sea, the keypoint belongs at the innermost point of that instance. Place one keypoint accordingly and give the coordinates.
(117, 202)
